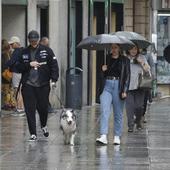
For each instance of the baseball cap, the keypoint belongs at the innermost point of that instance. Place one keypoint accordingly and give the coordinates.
(33, 35)
(14, 39)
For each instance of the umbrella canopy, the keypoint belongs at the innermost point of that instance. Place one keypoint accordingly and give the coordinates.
(167, 53)
(104, 41)
(138, 39)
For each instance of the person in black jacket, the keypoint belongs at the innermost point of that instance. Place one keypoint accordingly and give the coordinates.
(38, 66)
(117, 75)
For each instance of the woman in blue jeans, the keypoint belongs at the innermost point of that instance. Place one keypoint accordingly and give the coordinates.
(117, 74)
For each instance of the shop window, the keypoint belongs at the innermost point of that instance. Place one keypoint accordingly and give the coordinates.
(163, 39)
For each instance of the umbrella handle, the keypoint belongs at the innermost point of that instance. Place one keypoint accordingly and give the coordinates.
(105, 56)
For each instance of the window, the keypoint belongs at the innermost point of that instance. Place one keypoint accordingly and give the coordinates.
(163, 39)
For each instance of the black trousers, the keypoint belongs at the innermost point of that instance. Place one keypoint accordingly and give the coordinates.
(36, 98)
(134, 106)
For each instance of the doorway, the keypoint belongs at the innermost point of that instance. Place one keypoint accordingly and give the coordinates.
(99, 14)
(44, 30)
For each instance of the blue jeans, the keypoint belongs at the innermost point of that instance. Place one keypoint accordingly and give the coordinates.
(109, 96)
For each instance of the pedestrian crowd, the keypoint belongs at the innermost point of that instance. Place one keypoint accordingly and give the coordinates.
(122, 74)
(28, 74)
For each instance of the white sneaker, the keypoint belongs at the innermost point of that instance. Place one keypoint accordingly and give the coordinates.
(33, 138)
(102, 140)
(116, 140)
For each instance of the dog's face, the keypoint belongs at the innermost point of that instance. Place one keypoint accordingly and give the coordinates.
(69, 116)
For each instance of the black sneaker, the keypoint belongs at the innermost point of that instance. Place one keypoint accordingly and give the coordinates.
(33, 138)
(45, 131)
(139, 127)
(144, 119)
(130, 129)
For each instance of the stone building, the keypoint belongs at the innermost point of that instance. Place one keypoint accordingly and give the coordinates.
(66, 22)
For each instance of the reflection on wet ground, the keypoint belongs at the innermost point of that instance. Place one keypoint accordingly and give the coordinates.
(141, 150)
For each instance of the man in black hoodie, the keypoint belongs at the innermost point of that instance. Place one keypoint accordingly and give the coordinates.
(38, 66)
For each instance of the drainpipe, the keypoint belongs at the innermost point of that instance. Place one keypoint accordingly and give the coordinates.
(106, 15)
(0, 52)
(133, 15)
(85, 4)
(109, 14)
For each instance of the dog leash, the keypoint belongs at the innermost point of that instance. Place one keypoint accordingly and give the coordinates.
(61, 104)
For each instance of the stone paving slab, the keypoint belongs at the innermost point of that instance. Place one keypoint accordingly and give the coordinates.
(148, 149)
(158, 129)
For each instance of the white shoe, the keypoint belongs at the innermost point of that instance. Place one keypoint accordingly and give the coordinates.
(102, 140)
(116, 140)
(33, 138)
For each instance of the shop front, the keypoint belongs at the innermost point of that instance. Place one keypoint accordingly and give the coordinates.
(161, 30)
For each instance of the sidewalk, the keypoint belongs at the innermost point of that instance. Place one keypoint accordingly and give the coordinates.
(158, 135)
(148, 149)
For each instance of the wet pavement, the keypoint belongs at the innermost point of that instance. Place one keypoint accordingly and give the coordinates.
(148, 149)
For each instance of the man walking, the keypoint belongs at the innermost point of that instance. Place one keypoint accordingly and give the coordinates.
(38, 66)
(44, 41)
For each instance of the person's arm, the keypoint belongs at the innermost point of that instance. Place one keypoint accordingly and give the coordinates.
(127, 73)
(14, 58)
(143, 62)
(23, 62)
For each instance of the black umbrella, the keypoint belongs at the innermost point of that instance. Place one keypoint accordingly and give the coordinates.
(138, 39)
(167, 53)
(104, 41)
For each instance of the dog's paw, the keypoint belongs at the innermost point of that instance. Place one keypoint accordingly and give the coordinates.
(71, 144)
(61, 128)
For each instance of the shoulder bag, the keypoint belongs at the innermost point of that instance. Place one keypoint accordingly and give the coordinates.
(145, 81)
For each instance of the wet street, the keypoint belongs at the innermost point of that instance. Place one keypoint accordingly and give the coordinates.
(148, 149)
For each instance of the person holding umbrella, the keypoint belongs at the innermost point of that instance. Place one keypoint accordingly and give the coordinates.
(117, 75)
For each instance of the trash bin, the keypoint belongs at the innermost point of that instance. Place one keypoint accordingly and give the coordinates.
(74, 88)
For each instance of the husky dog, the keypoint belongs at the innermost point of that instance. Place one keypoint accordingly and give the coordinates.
(68, 125)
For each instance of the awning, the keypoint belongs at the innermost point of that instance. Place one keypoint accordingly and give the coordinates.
(112, 1)
(14, 2)
(118, 1)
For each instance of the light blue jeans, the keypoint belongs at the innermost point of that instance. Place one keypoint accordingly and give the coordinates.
(109, 96)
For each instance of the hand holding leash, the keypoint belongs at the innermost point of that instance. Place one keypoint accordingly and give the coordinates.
(53, 85)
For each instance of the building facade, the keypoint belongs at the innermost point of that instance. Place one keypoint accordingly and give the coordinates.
(66, 23)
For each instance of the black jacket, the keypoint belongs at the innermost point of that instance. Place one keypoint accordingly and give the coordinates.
(124, 80)
(48, 70)
(13, 60)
